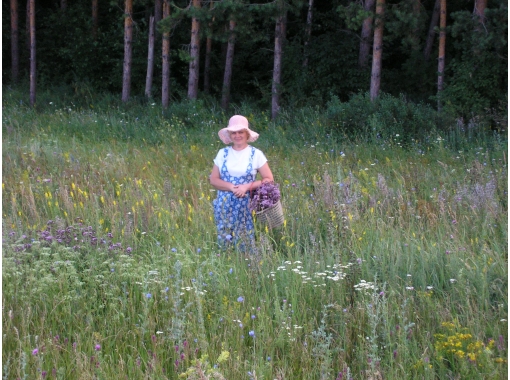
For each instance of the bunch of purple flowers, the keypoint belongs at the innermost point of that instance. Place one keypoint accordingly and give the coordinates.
(266, 196)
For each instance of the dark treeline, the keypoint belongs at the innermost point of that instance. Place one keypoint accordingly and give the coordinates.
(327, 49)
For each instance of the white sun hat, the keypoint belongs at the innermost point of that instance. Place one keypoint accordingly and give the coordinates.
(237, 123)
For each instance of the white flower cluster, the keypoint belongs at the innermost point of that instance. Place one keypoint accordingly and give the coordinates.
(333, 272)
(189, 288)
(363, 285)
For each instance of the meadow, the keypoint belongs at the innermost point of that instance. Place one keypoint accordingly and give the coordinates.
(391, 264)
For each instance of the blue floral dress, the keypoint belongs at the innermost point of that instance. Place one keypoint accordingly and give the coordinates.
(233, 218)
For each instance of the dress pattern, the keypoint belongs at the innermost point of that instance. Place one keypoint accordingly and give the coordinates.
(233, 218)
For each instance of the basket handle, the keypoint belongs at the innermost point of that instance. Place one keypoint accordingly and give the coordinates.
(249, 191)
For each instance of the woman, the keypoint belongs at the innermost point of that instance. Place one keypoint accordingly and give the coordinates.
(234, 176)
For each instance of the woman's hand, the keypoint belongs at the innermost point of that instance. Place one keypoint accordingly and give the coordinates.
(240, 190)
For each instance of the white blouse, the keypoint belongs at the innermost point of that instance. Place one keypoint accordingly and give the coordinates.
(237, 160)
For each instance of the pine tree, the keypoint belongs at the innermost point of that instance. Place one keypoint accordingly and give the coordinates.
(280, 32)
(366, 34)
(227, 78)
(194, 64)
(150, 58)
(432, 31)
(441, 54)
(33, 73)
(128, 49)
(208, 51)
(375, 82)
(165, 87)
(14, 41)
(95, 18)
(308, 32)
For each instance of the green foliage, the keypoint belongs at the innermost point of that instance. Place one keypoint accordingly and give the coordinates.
(475, 78)
(384, 119)
(313, 85)
(405, 26)
(78, 57)
(353, 14)
(477, 73)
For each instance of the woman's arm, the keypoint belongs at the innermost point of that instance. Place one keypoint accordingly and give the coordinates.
(217, 182)
(265, 173)
(240, 190)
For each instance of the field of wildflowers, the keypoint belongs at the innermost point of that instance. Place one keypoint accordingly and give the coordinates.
(391, 264)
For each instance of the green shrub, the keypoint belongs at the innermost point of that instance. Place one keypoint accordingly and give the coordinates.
(382, 119)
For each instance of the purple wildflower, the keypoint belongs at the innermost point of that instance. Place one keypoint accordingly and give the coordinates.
(266, 196)
(501, 343)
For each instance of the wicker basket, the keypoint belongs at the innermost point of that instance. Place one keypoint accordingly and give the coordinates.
(272, 217)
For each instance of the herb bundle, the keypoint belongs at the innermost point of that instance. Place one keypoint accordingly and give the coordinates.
(266, 196)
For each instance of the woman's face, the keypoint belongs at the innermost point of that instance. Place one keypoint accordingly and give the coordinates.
(239, 138)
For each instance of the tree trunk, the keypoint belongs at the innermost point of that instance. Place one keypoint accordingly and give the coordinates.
(441, 55)
(375, 82)
(480, 29)
(194, 64)
(208, 49)
(479, 11)
(32, 54)
(95, 19)
(366, 35)
(227, 78)
(308, 32)
(207, 65)
(165, 86)
(128, 50)
(279, 37)
(63, 5)
(157, 11)
(432, 33)
(27, 26)
(14, 42)
(415, 38)
(150, 60)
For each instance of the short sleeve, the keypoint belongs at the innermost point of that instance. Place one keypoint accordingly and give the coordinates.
(259, 159)
(218, 161)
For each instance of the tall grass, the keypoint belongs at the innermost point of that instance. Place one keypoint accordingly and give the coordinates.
(392, 262)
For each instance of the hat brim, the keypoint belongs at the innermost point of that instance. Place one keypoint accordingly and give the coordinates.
(225, 136)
